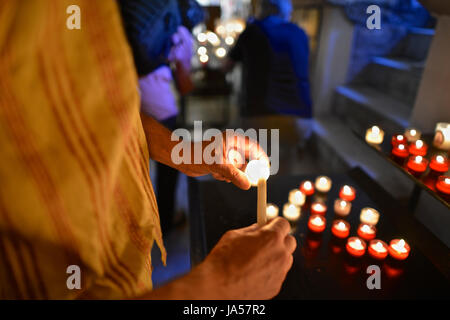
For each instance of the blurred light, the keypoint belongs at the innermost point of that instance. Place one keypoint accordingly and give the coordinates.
(202, 50)
(201, 37)
(220, 29)
(238, 27)
(229, 40)
(221, 52)
(213, 38)
(204, 58)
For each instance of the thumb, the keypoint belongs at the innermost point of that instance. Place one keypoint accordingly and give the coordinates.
(236, 176)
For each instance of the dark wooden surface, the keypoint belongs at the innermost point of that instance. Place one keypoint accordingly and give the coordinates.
(322, 269)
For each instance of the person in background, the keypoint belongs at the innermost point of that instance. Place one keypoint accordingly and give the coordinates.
(275, 72)
(156, 69)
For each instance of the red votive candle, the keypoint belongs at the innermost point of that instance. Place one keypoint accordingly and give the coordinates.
(399, 249)
(418, 148)
(318, 208)
(307, 188)
(347, 193)
(366, 231)
(340, 228)
(355, 246)
(398, 139)
(400, 152)
(439, 164)
(378, 249)
(443, 184)
(417, 165)
(317, 223)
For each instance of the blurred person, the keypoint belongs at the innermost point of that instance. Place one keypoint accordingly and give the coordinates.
(275, 66)
(155, 75)
(75, 188)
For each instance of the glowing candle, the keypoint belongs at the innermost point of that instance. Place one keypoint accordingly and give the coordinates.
(271, 211)
(417, 165)
(258, 172)
(378, 249)
(443, 184)
(323, 184)
(369, 216)
(399, 249)
(307, 188)
(398, 139)
(356, 246)
(400, 152)
(317, 223)
(297, 197)
(418, 148)
(374, 135)
(318, 208)
(291, 212)
(347, 193)
(342, 207)
(367, 231)
(442, 136)
(340, 228)
(439, 164)
(412, 135)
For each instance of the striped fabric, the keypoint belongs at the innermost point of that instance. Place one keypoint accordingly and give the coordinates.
(74, 180)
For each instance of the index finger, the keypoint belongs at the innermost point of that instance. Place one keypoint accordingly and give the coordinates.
(280, 225)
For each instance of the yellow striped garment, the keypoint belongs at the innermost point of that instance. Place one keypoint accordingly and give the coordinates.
(74, 180)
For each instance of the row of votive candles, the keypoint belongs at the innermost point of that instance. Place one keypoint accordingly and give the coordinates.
(369, 217)
(375, 135)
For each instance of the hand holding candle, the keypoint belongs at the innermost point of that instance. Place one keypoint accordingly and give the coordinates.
(258, 172)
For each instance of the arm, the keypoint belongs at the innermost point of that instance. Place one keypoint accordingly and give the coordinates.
(248, 263)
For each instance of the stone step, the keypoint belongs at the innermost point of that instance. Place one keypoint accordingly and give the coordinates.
(397, 77)
(335, 140)
(360, 106)
(416, 44)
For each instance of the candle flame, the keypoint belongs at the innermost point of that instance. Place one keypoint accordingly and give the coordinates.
(401, 146)
(366, 228)
(400, 137)
(347, 190)
(356, 244)
(419, 159)
(375, 130)
(307, 185)
(318, 206)
(400, 246)
(317, 221)
(323, 180)
(419, 144)
(379, 247)
(440, 159)
(412, 132)
(343, 204)
(447, 180)
(341, 226)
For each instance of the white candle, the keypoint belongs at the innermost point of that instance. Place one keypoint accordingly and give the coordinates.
(297, 197)
(374, 135)
(442, 136)
(369, 216)
(323, 184)
(291, 212)
(342, 207)
(258, 172)
(412, 135)
(271, 211)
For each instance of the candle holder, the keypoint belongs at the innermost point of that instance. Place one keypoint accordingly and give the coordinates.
(418, 148)
(347, 193)
(443, 185)
(342, 208)
(374, 135)
(417, 165)
(356, 247)
(297, 197)
(398, 139)
(318, 208)
(400, 153)
(369, 216)
(292, 213)
(378, 249)
(439, 164)
(307, 188)
(367, 231)
(340, 228)
(412, 135)
(271, 211)
(323, 184)
(317, 223)
(399, 249)
(442, 136)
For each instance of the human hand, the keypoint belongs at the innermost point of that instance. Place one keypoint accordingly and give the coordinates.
(250, 263)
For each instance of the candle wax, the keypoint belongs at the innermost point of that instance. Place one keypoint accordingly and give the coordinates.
(418, 148)
(356, 246)
(443, 184)
(318, 208)
(317, 223)
(378, 249)
(439, 164)
(366, 232)
(340, 229)
(399, 249)
(347, 193)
